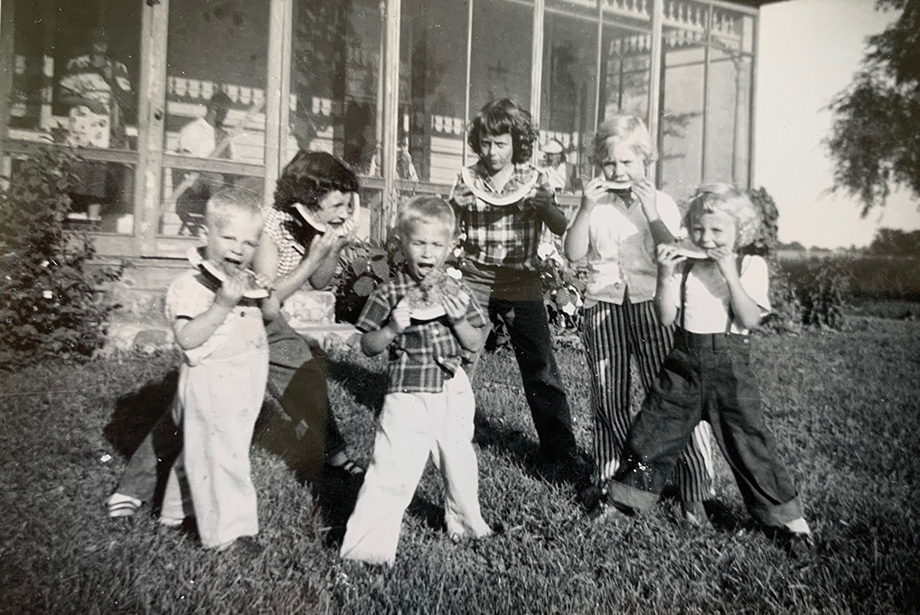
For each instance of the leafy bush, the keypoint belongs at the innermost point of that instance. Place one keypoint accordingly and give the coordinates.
(362, 267)
(786, 314)
(822, 288)
(50, 302)
(563, 287)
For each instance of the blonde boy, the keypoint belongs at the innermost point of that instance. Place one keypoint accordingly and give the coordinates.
(221, 378)
(429, 405)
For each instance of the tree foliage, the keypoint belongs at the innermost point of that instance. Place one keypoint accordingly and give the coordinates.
(895, 242)
(875, 136)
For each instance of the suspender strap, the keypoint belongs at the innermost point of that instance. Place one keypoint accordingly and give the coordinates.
(688, 265)
(731, 313)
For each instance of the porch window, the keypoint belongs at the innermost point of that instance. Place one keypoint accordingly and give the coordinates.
(75, 83)
(706, 84)
(214, 133)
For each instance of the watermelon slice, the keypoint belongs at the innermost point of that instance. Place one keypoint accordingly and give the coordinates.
(688, 249)
(499, 200)
(613, 186)
(197, 259)
(426, 300)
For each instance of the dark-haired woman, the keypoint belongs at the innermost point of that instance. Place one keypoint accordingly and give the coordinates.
(311, 221)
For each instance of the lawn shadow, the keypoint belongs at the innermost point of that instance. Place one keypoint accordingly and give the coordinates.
(514, 444)
(367, 386)
(136, 413)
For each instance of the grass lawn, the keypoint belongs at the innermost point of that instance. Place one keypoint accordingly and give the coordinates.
(843, 407)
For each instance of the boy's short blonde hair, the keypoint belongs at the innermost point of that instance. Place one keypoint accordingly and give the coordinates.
(226, 201)
(425, 208)
(729, 200)
(623, 129)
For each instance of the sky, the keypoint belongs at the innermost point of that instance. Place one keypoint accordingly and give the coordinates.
(809, 51)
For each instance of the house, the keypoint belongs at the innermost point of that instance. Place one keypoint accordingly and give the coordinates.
(388, 85)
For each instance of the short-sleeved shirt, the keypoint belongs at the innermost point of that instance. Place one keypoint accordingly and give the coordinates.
(242, 332)
(291, 237)
(706, 297)
(426, 353)
(499, 235)
(621, 251)
(200, 139)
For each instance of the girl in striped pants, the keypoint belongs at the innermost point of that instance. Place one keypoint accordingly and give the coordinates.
(621, 219)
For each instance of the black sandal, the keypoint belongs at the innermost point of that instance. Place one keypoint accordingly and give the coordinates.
(350, 467)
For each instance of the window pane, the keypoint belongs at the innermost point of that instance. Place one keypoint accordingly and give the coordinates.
(433, 68)
(75, 78)
(335, 72)
(215, 104)
(625, 62)
(215, 96)
(728, 102)
(501, 54)
(75, 73)
(681, 155)
(568, 109)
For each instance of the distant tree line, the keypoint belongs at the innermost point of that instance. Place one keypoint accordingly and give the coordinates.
(895, 242)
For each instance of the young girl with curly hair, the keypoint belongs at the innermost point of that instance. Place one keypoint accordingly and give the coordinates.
(717, 297)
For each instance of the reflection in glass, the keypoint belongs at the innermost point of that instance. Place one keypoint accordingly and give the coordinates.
(101, 200)
(186, 196)
(75, 73)
(232, 65)
(567, 109)
(501, 54)
(335, 72)
(431, 126)
(681, 149)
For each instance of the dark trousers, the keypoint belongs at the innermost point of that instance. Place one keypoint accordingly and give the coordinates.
(706, 377)
(150, 464)
(302, 428)
(520, 308)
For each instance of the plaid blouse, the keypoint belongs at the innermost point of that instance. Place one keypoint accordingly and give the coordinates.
(505, 236)
(291, 236)
(426, 353)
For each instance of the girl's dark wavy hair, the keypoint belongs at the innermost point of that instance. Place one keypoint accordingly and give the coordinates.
(504, 116)
(309, 177)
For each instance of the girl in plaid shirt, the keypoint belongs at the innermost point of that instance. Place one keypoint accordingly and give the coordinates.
(429, 405)
(503, 203)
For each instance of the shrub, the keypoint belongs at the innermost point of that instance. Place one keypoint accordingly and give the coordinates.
(563, 287)
(786, 314)
(50, 302)
(362, 267)
(821, 287)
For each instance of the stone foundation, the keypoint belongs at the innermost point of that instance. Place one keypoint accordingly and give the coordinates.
(140, 324)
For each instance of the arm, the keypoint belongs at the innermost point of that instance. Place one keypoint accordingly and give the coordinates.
(326, 269)
(266, 263)
(648, 198)
(745, 309)
(195, 332)
(375, 342)
(469, 335)
(576, 239)
(665, 301)
(544, 201)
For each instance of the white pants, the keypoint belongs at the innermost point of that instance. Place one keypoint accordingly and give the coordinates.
(219, 401)
(412, 426)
